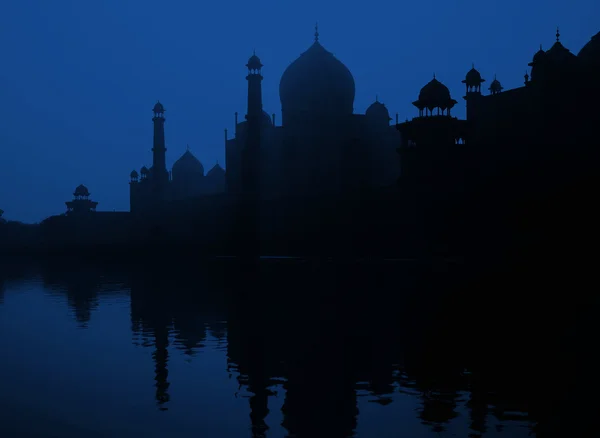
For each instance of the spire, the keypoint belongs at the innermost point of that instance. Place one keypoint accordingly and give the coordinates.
(557, 34)
(316, 32)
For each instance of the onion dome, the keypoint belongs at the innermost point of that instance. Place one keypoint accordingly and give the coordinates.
(434, 95)
(158, 108)
(378, 111)
(187, 164)
(495, 87)
(216, 171)
(134, 174)
(254, 62)
(317, 82)
(81, 190)
(144, 171)
(589, 55)
(473, 78)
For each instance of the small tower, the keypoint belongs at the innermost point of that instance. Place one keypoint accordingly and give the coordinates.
(81, 202)
(495, 87)
(250, 152)
(472, 81)
(160, 175)
(254, 79)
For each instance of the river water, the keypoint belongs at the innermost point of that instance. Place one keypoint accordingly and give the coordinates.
(294, 350)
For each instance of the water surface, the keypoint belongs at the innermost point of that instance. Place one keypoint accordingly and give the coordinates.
(294, 350)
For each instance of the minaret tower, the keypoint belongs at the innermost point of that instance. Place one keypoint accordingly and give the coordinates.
(254, 117)
(254, 79)
(472, 81)
(159, 174)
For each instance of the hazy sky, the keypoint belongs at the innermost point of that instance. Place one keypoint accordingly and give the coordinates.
(78, 78)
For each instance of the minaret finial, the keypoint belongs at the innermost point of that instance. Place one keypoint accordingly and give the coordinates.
(316, 32)
(557, 34)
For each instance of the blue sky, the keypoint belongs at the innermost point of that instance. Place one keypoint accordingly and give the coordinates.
(78, 79)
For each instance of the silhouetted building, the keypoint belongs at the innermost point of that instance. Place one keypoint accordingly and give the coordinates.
(152, 187)
(321, 147)
(81, 202)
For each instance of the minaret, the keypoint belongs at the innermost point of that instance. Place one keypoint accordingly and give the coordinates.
(160, 175)
(473, 81)
(248, 214)
(254, 79)
(254, 118)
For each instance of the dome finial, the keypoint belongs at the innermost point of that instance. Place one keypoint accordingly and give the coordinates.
(433, 75)
(187, 147)
(473, 65)
(557, 34)
(376, 98)
(316, 32)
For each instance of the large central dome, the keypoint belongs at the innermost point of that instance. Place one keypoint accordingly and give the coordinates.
(318, 83)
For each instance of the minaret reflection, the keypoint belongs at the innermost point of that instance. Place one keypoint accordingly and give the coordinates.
(174, 308)
(250, 350)
(150, 318)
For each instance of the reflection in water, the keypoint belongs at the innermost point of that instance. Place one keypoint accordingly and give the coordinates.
(327, 340)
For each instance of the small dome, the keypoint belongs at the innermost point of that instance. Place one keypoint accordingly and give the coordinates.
(378, 110)
(495, 86)
(187, 164)
(589, 55)
(434, 91)
(81, 190)
(158, 108)
(133, 174)
(254, 63)
(473, 77)
(216, 171)
(144, 170)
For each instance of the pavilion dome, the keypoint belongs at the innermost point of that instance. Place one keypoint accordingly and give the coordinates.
(158, 108)
(81, 190)
(254, 62)
(473, 77)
